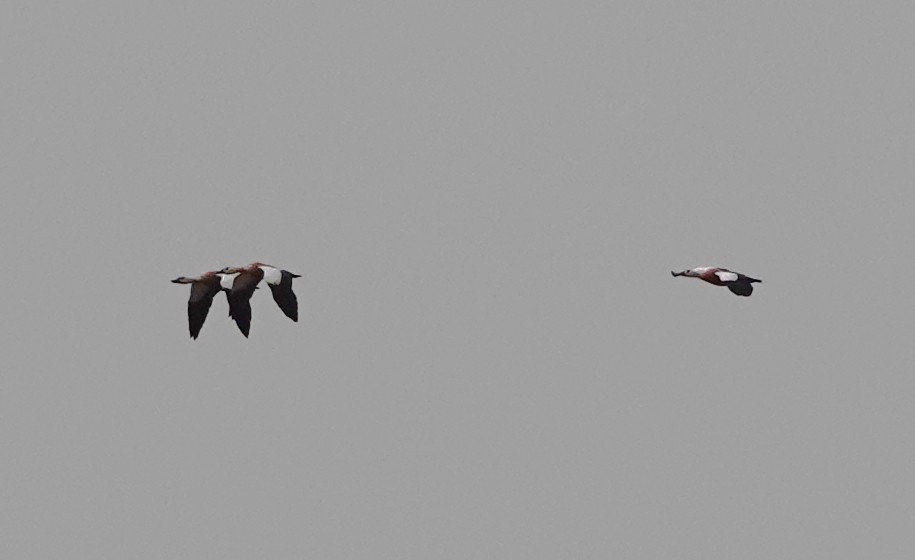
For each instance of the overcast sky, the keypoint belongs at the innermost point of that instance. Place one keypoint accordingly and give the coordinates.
(484, 200)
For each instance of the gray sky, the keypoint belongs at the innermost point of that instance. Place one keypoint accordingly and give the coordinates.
(484, 200)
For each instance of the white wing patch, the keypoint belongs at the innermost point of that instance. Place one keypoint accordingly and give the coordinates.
(726, 276)
(226, 280)
(272, 275)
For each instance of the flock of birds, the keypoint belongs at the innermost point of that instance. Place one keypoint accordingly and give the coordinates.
(239, 283)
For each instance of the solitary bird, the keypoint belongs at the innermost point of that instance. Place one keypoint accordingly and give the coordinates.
(245, 282)
(203, 288)
(736, 282)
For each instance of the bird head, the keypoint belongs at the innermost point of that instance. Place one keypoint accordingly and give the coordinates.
(231, 270)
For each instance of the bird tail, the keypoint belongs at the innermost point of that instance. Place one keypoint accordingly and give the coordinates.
(751, 280)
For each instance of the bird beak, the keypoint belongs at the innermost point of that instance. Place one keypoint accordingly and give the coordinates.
(176, 281)
(675, 274)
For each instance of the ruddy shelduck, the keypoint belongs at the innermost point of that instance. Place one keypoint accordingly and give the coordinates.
(738, 283)
(244, 284)
(203, 288)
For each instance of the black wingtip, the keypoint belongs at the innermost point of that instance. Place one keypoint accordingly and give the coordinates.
(741, 288)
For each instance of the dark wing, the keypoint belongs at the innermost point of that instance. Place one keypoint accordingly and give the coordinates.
(229, 299)
(284, 297)
(240, 300)
(245, 283)
(741, 288)
(240, 311)
(198, 305)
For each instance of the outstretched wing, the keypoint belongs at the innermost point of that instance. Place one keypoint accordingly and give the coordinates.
(245, 283)
(240, 300)
(240, 311)
(198, 306)
(229, 298)
(741, 288)
(284, 296)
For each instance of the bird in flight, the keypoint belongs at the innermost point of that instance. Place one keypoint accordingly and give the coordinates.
(204, 288)
(739, 284)
(239, 284)
(246, 279)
